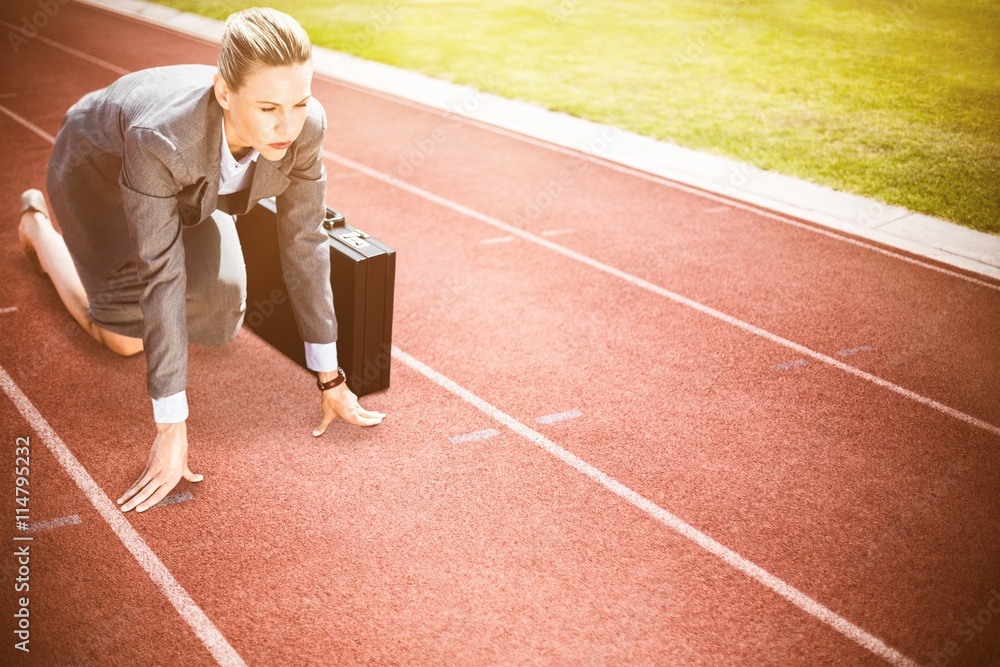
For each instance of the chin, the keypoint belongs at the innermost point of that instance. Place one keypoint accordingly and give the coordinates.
(273, 153)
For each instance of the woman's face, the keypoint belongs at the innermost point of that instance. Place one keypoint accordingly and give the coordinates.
(269, 109)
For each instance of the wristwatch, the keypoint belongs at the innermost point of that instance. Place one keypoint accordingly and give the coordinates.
(330, 384)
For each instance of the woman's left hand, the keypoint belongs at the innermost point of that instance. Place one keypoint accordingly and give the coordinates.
(341, 402)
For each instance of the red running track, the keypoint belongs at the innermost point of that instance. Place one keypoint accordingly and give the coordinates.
(870, 491)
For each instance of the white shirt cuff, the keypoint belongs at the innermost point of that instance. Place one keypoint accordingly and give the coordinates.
(321, 357)
(170, 409)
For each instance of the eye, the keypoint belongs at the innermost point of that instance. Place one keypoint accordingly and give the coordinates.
(303, 105)
(267, 110)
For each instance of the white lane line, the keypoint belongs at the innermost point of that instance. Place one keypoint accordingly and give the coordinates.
(656, 289)
(11, 309)
(475, 436)
(498, 239)
(558, 417)
(52, 524)
(759, 574)
(790, 364)
(188, 609)
(556, 232)
(855, 350)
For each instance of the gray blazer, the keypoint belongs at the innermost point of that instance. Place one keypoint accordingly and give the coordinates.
(135, 161)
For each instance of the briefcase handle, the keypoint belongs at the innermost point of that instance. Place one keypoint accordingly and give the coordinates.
(333, 219)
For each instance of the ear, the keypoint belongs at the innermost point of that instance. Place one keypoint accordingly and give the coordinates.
(221, 91)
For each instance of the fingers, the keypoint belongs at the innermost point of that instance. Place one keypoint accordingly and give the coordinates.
(327, 418)
(344, 404)
(356, 417)
(370, 414)
(154, 492)
(137, 486)
(147, 492)
(166, 466)
(150, 494)
(361, 412)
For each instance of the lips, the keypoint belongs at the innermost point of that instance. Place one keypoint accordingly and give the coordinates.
(280, 146)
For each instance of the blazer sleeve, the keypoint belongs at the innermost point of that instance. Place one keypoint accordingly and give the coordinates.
(303, 242)
(150, 180)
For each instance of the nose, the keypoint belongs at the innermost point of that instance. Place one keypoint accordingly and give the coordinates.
(284, 125)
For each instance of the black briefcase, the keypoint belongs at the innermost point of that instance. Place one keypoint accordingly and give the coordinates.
(363, 274)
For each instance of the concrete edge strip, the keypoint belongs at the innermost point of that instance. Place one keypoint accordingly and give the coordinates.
(188, 609)
(727, 555)
(862, 217)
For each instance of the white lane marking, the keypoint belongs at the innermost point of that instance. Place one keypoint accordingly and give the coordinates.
(656, 289)
(188, 609)
(52, 524)
(559, 416)
(475, 435)
(70, 50)
(11, 309)
(556, 232)
(855, 350)
(790, 364)
(730, 557)
(498, 239)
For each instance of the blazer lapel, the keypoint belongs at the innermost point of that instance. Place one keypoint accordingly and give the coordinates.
(213, 158)
(268, 181)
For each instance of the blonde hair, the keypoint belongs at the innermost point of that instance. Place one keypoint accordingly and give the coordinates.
(260, 36)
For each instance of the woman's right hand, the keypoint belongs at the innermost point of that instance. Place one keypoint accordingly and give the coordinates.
(166, 465)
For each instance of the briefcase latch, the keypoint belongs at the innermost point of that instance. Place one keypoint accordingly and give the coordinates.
(355, 239)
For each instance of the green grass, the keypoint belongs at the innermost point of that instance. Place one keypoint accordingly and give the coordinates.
(897, 100)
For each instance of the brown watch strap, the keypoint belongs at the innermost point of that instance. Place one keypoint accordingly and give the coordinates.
(330, 384)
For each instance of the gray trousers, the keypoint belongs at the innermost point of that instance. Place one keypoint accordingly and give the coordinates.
(216, 286)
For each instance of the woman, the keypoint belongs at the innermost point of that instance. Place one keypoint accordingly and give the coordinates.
(145, 177)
